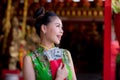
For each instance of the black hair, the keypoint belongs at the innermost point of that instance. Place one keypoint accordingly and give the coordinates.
(42, 17)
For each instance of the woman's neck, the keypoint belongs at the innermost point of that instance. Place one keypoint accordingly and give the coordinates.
(46, 44)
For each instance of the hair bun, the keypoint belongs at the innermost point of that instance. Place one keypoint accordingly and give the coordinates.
(39, 12)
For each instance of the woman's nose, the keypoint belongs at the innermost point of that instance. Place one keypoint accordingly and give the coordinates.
(61, 31)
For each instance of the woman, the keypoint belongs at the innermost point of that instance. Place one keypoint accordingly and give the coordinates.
(48, 62)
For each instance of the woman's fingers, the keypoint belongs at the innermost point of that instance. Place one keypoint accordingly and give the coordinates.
(65, 69)
(62, 70)
(60, 67)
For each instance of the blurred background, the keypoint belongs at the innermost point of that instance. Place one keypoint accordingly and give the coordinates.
(83, 22)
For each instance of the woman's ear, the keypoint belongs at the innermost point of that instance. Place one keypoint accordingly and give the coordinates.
(44, 28)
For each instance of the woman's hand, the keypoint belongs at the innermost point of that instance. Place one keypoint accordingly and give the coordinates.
(62, 72)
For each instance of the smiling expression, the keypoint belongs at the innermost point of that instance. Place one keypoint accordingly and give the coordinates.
(54, 30)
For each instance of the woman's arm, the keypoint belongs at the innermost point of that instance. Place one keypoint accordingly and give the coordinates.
(28, 70)
(71, 65)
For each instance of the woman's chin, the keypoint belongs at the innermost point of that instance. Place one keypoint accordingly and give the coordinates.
(57, 42)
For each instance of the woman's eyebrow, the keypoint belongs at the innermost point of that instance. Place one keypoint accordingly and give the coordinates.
(57, 23)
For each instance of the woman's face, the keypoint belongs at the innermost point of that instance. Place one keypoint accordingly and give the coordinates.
(54, 30)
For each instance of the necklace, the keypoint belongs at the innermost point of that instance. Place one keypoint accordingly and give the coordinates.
(45, 47)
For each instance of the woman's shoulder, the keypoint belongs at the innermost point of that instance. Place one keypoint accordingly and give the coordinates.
(26, 58)
(66, 51)
(31, 53)
(28, 55)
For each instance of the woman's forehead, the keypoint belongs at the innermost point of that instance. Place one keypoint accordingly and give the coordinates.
(56, 20)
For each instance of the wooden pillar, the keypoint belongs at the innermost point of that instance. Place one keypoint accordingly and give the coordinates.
(7, 25)
(107, 41)
(24, 17)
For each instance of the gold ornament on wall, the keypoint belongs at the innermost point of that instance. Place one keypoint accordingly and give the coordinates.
(84, 13)
(63, 13)
(68, 13)
(73, 13)
(89, 13)
(78, 13)
(95, 13)
(58, 12)
(100, 13)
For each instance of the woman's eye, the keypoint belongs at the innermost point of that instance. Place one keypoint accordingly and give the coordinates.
(57, 26)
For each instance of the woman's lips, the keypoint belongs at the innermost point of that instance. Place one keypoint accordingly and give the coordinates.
(59, 37)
